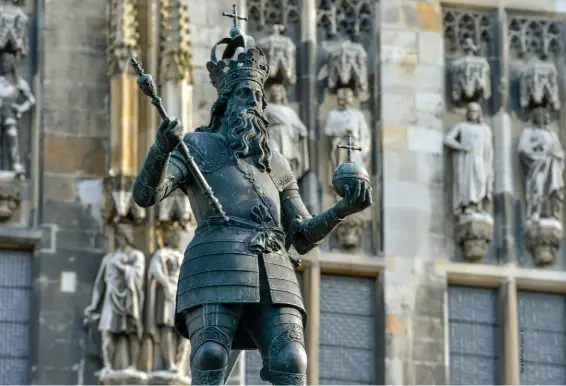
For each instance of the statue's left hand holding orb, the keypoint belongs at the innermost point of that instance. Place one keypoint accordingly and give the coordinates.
(169, 134)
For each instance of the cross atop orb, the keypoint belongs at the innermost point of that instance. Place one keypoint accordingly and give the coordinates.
(349, 147)
(235, 31)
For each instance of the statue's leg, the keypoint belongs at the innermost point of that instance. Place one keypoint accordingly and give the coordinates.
(279, 334)
(134, 345)
(108, 349)
(166, 346)
(181, 347)
(211, 330)
(14, 144)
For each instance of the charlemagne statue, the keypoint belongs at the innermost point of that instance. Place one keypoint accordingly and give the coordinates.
(237, 286)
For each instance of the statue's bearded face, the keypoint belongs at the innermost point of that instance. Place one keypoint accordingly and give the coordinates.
(247, 125)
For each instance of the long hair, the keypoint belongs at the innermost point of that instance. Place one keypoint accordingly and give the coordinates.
(248, 130)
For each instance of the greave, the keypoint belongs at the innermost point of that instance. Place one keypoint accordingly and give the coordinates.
(280, 378)
(208, 377)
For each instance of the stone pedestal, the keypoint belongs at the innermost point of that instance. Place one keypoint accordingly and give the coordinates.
(473, 233)
(10, 195)
(167, 378)
(122, 377)
(542, 238)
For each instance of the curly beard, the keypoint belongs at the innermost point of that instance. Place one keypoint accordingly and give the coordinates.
(248, 136)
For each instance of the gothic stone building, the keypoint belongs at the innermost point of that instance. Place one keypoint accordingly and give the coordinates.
(455, 275)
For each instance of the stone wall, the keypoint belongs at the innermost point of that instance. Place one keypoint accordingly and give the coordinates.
(75, 126)
(207, 26)
(412, 95)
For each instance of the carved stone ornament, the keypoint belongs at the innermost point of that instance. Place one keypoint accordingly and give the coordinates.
(539, 84)
(542, 240)
(281, 53)
(471, 75)
(10, 197)
(14, 27)
(474, 232)
(124, 36)
(542, 159)
(116, 310)
(175, 209)
(170, 363)
(118, 205)
(175, 53)
(471, 143)
(350, 233)
(348, 67)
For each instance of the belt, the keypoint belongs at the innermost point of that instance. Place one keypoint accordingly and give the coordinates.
(266, 239)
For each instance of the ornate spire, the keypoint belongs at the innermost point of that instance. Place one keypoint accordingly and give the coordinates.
(175, 45)
(124, 36)
(348, 68)
(14, 30)
(281, 54)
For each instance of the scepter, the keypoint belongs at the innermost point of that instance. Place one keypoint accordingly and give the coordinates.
(147, 85)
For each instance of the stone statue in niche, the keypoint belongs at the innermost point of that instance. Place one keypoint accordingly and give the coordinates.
(163, 275)
(16, 99)
(287, 133)
(471, 142)
(542, 160)
(348, 80)
(117, 302)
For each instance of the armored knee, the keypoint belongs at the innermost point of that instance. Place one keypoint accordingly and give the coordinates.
(291, 358)
(209, 356)
(286, 360)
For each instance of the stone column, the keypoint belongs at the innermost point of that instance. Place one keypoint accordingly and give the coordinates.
(508, 301)
(124, 122)
(412, 95)
(308, 101)
(504, 199)
(312, 278)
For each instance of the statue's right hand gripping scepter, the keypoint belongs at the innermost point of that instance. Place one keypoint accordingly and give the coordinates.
(147, 85)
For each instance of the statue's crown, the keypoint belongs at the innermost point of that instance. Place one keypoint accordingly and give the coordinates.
(241, 60)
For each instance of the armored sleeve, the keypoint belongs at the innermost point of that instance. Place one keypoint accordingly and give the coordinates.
(303, 230)
(160, 175)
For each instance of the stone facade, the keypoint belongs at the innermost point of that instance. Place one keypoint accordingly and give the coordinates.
(434, 299)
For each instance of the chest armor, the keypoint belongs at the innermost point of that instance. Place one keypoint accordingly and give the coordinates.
(239, 188)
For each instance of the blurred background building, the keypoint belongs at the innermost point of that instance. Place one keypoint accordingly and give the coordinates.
(455, 276)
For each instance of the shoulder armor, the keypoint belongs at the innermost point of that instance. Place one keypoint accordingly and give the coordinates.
(281, 173)
(209, 151)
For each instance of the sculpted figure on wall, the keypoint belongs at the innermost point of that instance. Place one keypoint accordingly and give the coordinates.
(347, 79)
(287, 133)
(542, 160)
(16, 99)
(117, 302)
(471, 142)
(163, 276)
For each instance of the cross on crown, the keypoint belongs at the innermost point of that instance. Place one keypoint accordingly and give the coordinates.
(349, 147)
(235, 31)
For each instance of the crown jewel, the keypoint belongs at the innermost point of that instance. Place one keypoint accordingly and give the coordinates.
(241, 59)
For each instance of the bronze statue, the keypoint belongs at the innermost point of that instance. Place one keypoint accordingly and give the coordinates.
(237, 286)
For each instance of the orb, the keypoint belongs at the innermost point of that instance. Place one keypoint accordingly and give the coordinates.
(347, 173)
